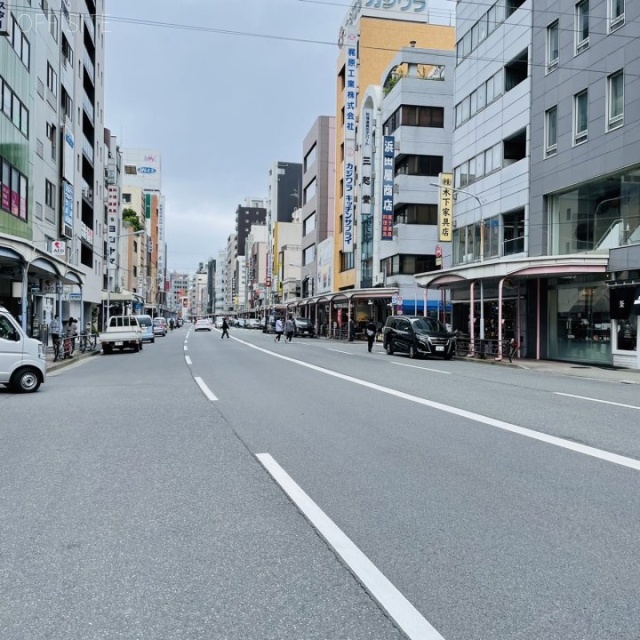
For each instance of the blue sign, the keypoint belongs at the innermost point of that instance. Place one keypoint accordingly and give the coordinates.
(68, 205)
(146, 170)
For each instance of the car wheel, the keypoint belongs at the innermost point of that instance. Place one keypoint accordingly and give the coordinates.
(448, 356)
(153, 341)
(106, 349)
(412, 351)
(388, 348)
(141, 345)
(25, 380)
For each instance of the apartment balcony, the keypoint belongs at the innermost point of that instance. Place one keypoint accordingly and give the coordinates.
(87, 194)
(89, 66)
(87, 149)
(88, 108)
(90, 28)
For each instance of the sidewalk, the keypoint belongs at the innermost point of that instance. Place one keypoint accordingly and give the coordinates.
(591, 371)
(77, 355)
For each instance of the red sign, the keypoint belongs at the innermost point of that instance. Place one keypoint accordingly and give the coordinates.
(438, 251)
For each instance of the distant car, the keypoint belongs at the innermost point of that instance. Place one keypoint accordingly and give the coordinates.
(241, 323)
(159, 327)
(202, 325)
(146, 324)
(304, 327)
(417, 336)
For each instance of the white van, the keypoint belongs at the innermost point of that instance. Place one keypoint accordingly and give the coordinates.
(23, 367)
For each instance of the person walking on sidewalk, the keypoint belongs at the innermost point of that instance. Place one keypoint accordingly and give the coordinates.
(289, 329)
(225, 329)
(55, 327)
(278, 328)
(371, 330)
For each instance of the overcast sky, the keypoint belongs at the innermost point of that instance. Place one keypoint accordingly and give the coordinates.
(221, 107)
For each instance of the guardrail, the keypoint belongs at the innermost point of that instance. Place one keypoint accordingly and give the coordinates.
(486, 348)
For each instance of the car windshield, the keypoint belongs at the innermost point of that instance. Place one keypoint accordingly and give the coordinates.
(427, 325)
(144, 322)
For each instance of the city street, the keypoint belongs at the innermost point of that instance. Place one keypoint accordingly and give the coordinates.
(244, 489)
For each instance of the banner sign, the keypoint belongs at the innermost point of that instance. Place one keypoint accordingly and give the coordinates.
(388, 165)
(446, 208)
(350, 107)
(67, 210)
(4, 17)
(112, 228)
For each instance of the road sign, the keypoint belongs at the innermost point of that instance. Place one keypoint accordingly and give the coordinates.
(394, 299)
(438, 251)
(399, 300)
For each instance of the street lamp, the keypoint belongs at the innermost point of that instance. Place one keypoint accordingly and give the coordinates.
(475, 197)
(115, 268)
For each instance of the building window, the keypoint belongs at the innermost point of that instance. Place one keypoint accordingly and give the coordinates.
(582, 26)
(550, 131)
(580, 117)
(310, 158)
(419, 166)
(615, 100)
(346, 261)
(13, 108)
(417, 214)
(130, 170)
(408, 264)
(513, 232)
(552, 46)
(52, 80)
(310, 191)
(49, 194)
(309, 224)
(616, 14)
(13, 191)
(20, 43)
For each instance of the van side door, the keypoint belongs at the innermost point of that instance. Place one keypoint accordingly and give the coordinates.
(11, 348)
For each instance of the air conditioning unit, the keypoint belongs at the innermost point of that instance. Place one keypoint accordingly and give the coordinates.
(378, 278)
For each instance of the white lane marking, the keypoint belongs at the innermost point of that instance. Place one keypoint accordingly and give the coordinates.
(498, 424)
(188, 359)
(207, 392)
(186, 347)
(405, 615)
(616, 404)
(413, 366)
(339, 351)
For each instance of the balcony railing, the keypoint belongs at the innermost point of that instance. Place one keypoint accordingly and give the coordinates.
(88, 65)
(87, 149)
(88, 24)
(88, 107)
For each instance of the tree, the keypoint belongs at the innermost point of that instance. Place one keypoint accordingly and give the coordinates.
(130, 219)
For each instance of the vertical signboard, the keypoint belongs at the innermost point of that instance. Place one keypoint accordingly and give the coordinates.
(5, 17)
(365, 163)
(350, 106)
(388, 162)
(446, 208)
(112, 228)
(68, 155)
(67, 209)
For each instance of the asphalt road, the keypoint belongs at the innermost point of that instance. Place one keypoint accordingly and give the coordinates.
(140, 498)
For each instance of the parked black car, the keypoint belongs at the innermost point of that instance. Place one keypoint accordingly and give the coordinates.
(304, 327)
(417, 336)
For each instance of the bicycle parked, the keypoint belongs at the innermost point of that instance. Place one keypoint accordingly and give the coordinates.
(88, 342)
(62, 348)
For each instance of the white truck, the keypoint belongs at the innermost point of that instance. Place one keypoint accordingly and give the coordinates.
(123, 332)
(23, 367)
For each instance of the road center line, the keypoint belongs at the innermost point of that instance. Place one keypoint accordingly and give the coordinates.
(207, 392)
(339, 351)
(616, 404)
(623, 461)
(405, 615)
(188, 359)
(414, 366)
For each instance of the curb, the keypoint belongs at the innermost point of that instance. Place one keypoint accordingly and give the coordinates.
(77, 357)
